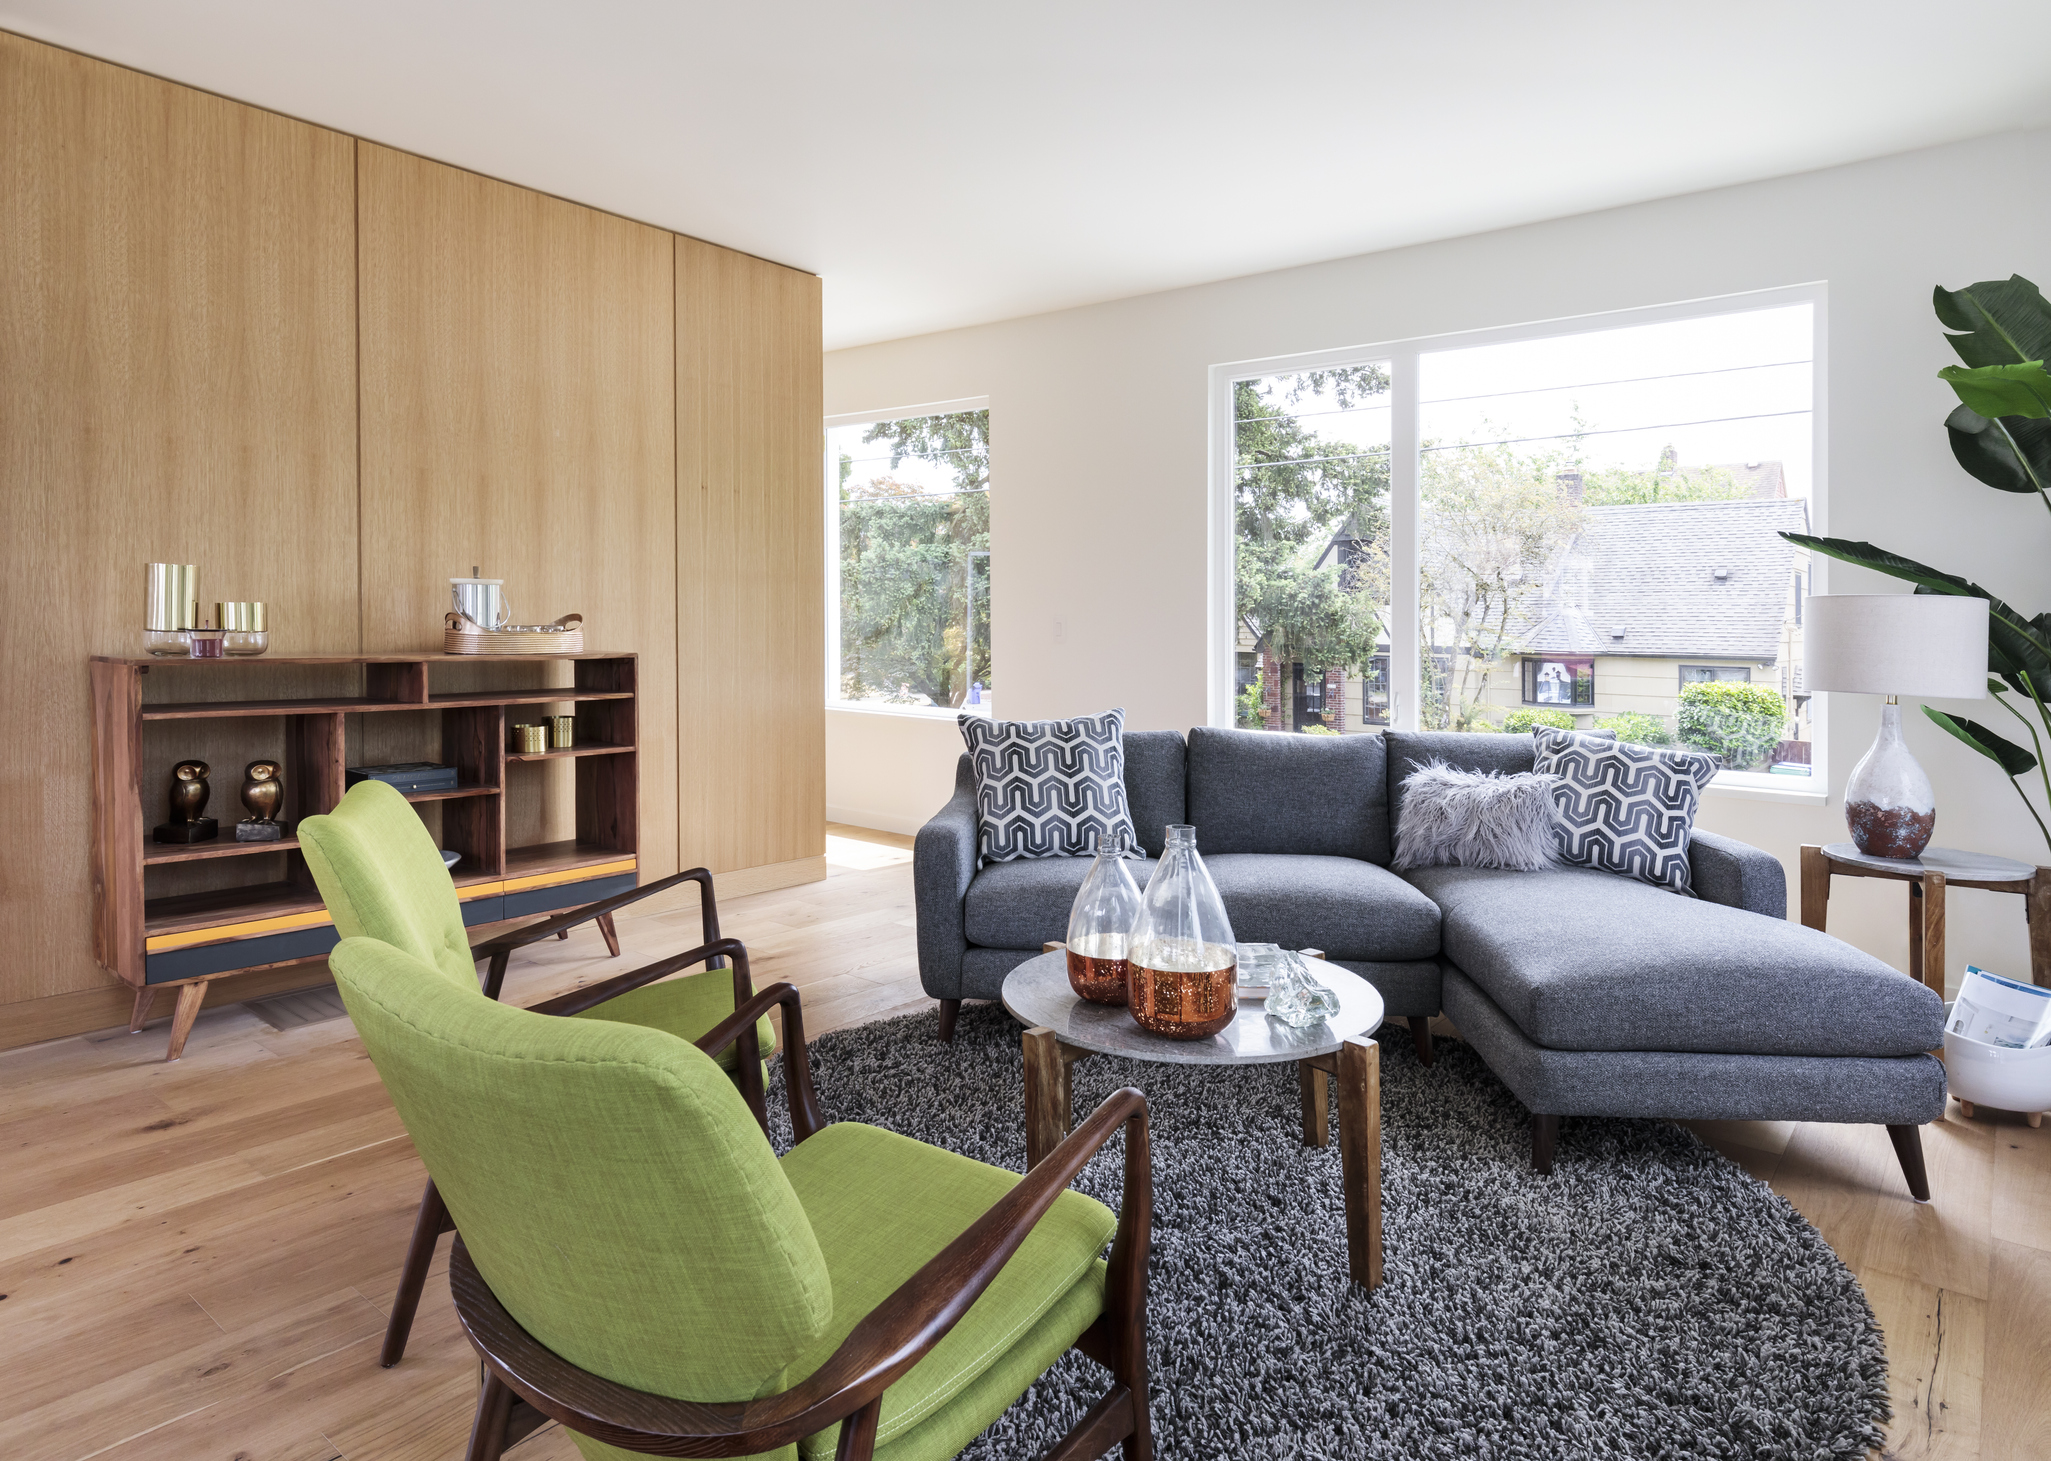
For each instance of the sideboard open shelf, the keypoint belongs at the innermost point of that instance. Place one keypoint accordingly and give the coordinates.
(228, 915)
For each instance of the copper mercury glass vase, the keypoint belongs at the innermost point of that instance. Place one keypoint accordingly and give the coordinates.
(1100, 922)
(1182, 975)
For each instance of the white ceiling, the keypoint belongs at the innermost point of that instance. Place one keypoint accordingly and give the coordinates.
(943, 163)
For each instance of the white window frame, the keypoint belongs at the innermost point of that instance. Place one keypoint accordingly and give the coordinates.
(831, 480)
(1404, 469)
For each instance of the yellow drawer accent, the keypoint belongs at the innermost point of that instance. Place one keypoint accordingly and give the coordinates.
(569, 875)
(222, 932)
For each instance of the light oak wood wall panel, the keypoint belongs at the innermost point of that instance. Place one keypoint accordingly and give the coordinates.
(177, 382)
(750, 562)
(518, 388)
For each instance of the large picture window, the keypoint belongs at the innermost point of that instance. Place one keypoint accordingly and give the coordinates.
(1579, 523)
(909, 592)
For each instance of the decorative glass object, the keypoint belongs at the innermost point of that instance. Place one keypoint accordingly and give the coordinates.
(1297, 997)
(1100, 922)
(1182, 963)
(170, 608)
(244, 629)
(205, 643)
(1256, 964)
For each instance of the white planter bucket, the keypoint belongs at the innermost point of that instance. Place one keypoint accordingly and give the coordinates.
(1997, 1076)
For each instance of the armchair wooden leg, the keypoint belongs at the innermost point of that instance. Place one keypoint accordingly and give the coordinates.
(1908, 1150)
(1420, 1037)
(488, 1431)
(1545, 1131)
(562, 935)
(1108, 1422)
(858, 1433)
(949, 1009)
(610, 934)
(428, 1227)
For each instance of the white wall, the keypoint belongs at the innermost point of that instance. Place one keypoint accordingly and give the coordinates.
(1098, 439)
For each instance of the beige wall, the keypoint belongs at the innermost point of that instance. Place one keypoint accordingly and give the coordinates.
(184, 281)
(1100, 430)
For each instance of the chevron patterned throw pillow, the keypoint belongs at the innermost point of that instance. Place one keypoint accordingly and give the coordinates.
(1047, 788)
(1623, 808)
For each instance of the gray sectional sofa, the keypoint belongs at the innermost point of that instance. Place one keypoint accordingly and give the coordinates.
(1588, 994)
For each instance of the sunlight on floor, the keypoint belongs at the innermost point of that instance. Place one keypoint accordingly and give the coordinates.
(852, 854)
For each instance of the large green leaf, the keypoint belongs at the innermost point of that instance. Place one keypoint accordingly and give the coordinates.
(2002, 390)
(2016, 646)
(2012, 454)
(2004, 321)
(2004, 753)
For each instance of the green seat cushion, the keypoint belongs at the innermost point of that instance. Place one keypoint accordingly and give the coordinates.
(880, 1206)
(685, 1007)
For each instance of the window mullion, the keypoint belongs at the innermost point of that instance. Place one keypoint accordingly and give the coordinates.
(1404, 471)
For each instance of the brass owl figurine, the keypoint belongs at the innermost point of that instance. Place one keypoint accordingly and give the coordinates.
(262, 792)
(189, 790)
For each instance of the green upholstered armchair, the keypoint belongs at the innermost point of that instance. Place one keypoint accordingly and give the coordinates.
(637, 1263)
(382, 877)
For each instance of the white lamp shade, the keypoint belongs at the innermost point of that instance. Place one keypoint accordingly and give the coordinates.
(1932, 645)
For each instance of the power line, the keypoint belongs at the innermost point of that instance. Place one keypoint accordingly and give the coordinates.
(917, 496)
(1521, 440)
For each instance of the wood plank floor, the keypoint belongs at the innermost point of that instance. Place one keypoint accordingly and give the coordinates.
(196, 1260)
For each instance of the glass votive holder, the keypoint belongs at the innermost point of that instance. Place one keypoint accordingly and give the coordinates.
(248, 633)
(165, 643)
(206, 643)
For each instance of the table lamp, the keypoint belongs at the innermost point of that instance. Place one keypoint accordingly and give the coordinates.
(1931, 645)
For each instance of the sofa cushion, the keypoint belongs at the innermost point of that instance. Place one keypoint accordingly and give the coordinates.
(1257, 791)
(1468, 751)
(1585, 960)
(1623, 808)
(1156, 765)
(1349, 908)
(1047, 788)
(1023, 904)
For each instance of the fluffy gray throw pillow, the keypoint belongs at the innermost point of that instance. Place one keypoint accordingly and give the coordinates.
(1458, 818)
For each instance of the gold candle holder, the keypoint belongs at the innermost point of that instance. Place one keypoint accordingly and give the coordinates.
(562, 731)
(530, 738)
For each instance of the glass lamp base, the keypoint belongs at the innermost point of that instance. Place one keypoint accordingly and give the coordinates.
(1888, 804)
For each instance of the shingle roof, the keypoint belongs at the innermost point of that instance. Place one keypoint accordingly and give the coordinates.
(1650, 571)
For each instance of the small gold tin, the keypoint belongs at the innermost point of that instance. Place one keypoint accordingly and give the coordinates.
(562, 731)
(529, 738)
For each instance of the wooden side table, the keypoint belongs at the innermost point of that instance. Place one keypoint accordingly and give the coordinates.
(1928, 876)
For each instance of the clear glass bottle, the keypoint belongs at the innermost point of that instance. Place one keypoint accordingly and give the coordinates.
(1181, 965)
(1100, 923)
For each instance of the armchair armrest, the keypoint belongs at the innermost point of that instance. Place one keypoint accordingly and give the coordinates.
(500, 950)
(797, 1068)
(943, 865)
(579, 1000)
(1737, 874)
(894, 1336)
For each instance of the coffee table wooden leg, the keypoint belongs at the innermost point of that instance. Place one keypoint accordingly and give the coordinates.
(1046, 1094)
(1316, 1096)
(1360, 1157)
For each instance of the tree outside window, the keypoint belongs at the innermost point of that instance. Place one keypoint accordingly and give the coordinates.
(914, 509)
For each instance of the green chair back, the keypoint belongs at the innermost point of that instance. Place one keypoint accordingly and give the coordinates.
(382, 877)
(610, 1183)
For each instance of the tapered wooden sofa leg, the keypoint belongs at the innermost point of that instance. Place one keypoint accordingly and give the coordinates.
(949, 1009)
(1545, 1131)
(1908, 1150)
(1420, 1037)
(427, 1229)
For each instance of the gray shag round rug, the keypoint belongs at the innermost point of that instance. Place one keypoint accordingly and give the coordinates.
(1646, 1300)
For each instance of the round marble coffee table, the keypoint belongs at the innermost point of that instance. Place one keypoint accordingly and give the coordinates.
(1062, 1029)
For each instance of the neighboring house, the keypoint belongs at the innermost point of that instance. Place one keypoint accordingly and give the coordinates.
(1645, 599)
(1648, 598)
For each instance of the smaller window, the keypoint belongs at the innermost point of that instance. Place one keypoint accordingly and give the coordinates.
(1374, 692)
(1559, 682)
(1703, 674)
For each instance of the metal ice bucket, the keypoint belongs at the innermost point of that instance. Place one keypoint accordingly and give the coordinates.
(481, 600)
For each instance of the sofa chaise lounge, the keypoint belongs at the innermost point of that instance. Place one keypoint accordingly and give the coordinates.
(1587, 993)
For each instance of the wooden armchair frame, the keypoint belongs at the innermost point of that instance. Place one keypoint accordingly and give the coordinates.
(525, 1382)
(433, 1219)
